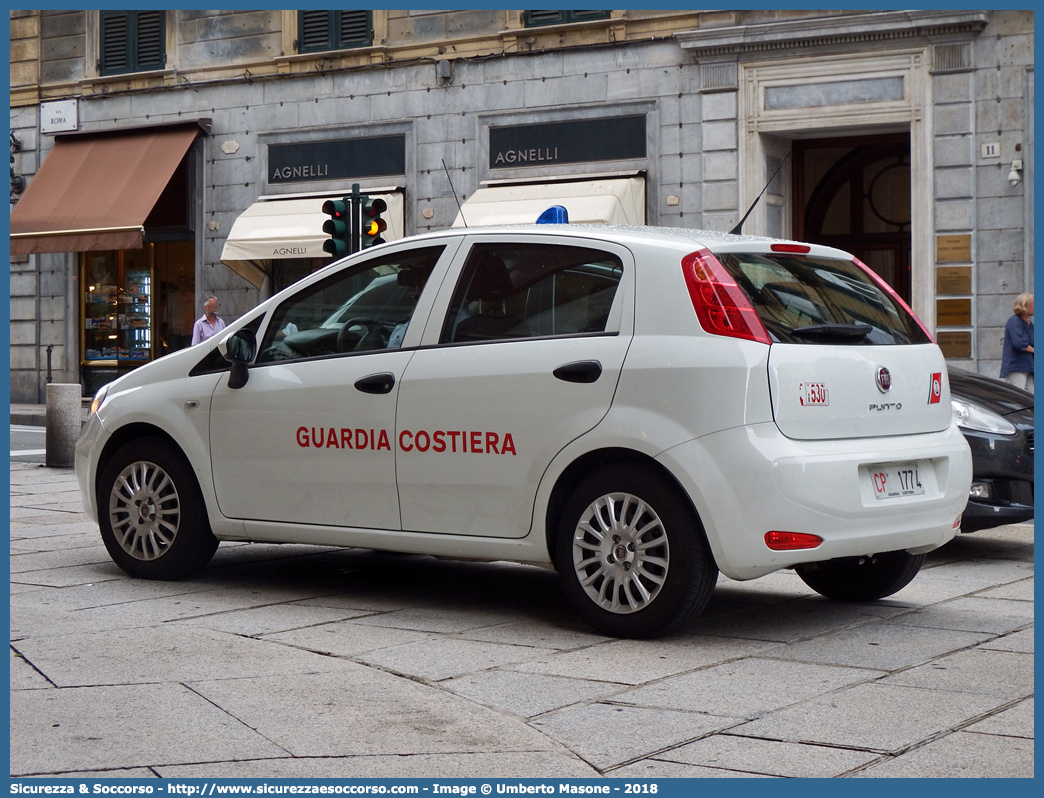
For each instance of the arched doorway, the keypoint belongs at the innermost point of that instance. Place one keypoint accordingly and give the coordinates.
(854, 194)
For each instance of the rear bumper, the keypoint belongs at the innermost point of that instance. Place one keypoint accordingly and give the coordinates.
(751, 480)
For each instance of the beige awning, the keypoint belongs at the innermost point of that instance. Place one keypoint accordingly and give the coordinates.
(96, 191)
(275, 229)
(612, 201)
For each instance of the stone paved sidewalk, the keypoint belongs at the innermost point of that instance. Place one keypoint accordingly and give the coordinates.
(299, 661)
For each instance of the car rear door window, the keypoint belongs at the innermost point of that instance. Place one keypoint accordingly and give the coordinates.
(511, 291)
(810, 300)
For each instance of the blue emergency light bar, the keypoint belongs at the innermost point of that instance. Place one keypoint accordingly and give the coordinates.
(556, 214)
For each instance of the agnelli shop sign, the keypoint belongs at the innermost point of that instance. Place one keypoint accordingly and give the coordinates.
(610, 139)
(337, 160)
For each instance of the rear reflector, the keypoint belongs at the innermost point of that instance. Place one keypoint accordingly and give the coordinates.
(957, 523)
(799, 249)
(720, 304)
(789, 541)
(891, 292)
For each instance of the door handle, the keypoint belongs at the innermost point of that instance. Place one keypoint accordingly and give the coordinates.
(376, 383)
(581, 371)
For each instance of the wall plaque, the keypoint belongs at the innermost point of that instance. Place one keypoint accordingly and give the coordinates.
(337, 160)
(954, 343)
(953, 312)
(953, 280)
(59, 116)
(610, 139)
(949, 249)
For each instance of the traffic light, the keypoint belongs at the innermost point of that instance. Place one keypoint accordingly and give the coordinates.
(337, 227)
(373, 226)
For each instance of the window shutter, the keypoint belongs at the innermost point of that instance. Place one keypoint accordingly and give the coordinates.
(355, 28)
(150, 40)
(315, 31)
(132, 41)
(536, 18)
(583, 16)
(544, 17)
(114, 56)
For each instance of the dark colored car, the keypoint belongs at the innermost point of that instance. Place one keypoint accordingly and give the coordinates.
(997, 421)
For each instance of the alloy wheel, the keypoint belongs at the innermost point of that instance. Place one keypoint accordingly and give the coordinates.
(620, 553)
(144, 510)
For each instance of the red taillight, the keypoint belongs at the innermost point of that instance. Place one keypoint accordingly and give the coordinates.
(798, 249)
(891, 292)
(721, 307)
(789, 541)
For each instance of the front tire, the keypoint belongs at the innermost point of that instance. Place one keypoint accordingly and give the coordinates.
(151, 513)
(632, 554)
(861, 578)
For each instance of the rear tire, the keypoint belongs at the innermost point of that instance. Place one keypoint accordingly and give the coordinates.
(861, 578)
(151, 513)
(632, 554)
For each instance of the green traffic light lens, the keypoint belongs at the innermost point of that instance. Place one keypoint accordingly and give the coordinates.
(335, 227)
(335, 247)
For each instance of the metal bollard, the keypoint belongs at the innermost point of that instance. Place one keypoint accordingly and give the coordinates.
(63, 423)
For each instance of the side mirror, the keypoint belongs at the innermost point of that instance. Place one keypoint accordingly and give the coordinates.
(239, 349)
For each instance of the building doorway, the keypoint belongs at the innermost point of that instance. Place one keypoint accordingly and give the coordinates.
(854, 194)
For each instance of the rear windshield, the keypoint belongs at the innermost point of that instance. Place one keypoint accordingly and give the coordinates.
(806, 300)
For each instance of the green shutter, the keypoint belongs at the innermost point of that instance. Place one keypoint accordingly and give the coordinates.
(584, 16)
(132, 41)
(355, 29)
(150, 40)
(535, 19)
(114, 44)
(333, 30)
(315, 31)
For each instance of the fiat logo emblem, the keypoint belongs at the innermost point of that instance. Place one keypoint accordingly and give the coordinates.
(884, 379)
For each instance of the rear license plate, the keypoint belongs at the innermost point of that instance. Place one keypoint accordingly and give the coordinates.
(896, 480)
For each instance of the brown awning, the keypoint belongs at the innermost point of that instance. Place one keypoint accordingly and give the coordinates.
(95, 191)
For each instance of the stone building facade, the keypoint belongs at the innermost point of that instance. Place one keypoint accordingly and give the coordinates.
(903, 136)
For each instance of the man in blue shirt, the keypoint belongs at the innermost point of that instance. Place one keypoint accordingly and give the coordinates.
(209, 324)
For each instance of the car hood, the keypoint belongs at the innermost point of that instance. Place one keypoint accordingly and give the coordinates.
(996, 395)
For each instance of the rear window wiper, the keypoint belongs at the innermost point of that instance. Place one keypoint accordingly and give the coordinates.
(838, 330)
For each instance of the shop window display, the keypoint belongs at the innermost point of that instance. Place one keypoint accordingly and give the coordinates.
(118, 307)
(134, 306)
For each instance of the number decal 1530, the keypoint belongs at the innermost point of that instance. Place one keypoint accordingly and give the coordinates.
(813, 393)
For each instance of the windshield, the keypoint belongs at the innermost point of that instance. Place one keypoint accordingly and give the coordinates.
(807, 300)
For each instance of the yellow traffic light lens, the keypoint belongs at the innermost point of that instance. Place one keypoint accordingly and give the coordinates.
(376, 227)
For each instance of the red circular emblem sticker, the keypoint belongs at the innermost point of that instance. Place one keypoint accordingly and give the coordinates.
(884, 379)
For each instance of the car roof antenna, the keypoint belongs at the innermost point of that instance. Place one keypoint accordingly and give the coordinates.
(450, 179)
(739, 227)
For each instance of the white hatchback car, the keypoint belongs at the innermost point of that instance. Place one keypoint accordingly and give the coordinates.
(639, 408)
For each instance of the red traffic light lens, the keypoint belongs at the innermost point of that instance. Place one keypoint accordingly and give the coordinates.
(335, 207)
(375, 207)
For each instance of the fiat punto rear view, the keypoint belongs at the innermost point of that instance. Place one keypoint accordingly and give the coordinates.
(639, 408)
